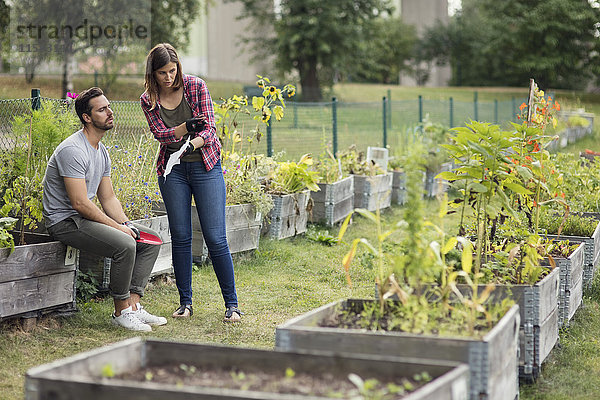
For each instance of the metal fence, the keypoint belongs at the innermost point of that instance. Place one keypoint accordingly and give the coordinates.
(305, 128)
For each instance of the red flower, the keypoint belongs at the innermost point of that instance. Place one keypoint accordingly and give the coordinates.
(522, 106)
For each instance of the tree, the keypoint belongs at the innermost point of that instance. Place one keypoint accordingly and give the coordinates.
(385, 51)
(171, 21)
(168, 22)
(311, 37)
(507, 42)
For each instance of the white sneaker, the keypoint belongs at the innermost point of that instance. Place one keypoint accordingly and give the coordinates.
(148, 318)
(129, 320)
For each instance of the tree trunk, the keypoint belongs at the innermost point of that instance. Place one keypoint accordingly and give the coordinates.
(309, 80)
(67, 82)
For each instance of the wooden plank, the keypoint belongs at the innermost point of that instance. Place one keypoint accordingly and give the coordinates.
(34, 260)
(36, 293)
(332, 192)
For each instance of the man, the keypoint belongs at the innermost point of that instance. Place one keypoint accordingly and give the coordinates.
(78, 171)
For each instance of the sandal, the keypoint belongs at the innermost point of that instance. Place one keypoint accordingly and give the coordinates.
(233, 314)
(183, 311)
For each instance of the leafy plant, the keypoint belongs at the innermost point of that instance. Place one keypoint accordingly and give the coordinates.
(133, 176)
(328, 167)
(291, 177)
(87, 286)
(243, 175)
(6, 239)
(354, 162)
(37, 135)
(321, 236)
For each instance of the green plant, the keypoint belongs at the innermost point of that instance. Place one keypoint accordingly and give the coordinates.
(354, 162)
(6, 239)
(321, 236)
(228, 113)
(243, 175)
(37, 135)
(328, 167)
(133, 175)
(291, 177)
(572, 225)
(87, 286)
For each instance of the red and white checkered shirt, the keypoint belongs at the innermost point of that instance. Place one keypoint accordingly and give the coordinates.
(197, 95)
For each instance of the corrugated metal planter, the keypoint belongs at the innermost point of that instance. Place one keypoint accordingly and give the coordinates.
(571, 282)
(37, 278)
(100, 266)
(539, 313)
(492, 360)
(80, 376)
(289, 215)
(592, 249)
(373, 192)
(243, 225)
(398, 187)
(334, 201)
(434, 186)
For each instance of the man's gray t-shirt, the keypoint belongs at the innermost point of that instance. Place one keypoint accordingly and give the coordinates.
(73, 158)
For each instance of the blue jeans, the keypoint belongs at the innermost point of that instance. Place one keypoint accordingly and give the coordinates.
(208, 188)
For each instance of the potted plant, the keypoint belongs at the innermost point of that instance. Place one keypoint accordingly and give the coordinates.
(335, 198)
(153, 369)
(372, 185)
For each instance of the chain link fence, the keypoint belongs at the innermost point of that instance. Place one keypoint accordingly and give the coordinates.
(305, 128)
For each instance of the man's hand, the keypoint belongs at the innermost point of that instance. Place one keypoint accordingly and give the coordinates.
(195, 124)
(133, 228)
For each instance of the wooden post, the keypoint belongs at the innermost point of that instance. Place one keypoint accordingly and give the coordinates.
(530, 101)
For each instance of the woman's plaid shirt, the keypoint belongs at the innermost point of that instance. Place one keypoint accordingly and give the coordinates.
(197, 95)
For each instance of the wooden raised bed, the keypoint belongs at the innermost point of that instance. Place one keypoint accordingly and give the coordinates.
(243, 225)
(289, 215)
(80, 376)
(99, 266)
(334, 201)
(492, 360)
(373, 192)
(37, 278)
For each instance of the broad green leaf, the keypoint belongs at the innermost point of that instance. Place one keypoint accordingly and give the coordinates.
(367, 214)
(447, 175)
(344, 226)
(517, 188)
(450, 244)
(477, 187)
(258, 102)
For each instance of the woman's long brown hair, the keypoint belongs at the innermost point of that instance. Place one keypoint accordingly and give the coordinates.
(159, 56)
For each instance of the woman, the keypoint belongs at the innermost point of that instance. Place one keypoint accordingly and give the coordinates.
(179, 109)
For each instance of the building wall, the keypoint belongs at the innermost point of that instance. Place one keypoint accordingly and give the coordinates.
(215, 51)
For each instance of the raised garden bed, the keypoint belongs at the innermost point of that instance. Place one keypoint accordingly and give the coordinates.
(373, 192)
(243, 225)
(398, 187)
(539, 314)
(81, 376)
(37, 278)
(433, 186)
(333, 202)
(571, 281)
(492, 360)
(288, 217)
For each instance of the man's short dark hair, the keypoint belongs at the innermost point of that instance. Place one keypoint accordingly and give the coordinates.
(82, 102)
